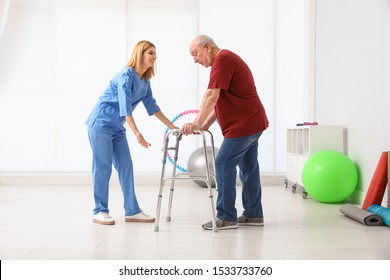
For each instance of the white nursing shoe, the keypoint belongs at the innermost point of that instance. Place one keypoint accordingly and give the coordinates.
(140, 218)
(103, 218)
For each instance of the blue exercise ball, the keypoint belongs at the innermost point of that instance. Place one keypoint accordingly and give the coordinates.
(329, 176)
(197, 164)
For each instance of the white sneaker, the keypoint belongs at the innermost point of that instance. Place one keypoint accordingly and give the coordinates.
(103, 218)
(139, 218)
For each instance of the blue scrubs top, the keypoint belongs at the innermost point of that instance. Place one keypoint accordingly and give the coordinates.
(120, 98)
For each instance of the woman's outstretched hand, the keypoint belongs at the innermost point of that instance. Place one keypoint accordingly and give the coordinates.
(142, 141)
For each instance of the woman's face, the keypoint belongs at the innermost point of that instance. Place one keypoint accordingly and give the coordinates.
(149, 57)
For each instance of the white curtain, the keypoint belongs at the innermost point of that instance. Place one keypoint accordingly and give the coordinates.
(4, 5)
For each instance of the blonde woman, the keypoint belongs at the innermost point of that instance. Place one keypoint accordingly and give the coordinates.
(107, 134)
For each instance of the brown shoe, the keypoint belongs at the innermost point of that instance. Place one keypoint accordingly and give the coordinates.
(246, 221)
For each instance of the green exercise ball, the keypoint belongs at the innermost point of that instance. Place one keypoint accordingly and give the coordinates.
(329, 176)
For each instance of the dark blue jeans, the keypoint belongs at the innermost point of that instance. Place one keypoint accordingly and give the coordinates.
(241, 152)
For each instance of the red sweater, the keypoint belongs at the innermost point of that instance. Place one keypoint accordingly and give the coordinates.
(239, 109)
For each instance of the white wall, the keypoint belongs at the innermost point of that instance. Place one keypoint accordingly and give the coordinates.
(353, 76)
(292, 65)
(56, 58)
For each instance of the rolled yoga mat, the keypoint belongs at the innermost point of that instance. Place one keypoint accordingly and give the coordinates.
(381, 211)
(378, 183)
(362, 216)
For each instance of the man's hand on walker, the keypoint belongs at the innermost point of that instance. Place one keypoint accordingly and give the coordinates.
(189, 128)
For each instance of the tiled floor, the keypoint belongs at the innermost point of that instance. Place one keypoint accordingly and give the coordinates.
(55, 222)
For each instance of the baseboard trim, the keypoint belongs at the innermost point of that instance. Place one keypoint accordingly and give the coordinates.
(85, 179)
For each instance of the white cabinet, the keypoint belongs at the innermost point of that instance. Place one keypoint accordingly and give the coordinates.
(304, 141)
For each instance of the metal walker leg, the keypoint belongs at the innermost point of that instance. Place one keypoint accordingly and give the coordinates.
(172, 189)
(207, 177)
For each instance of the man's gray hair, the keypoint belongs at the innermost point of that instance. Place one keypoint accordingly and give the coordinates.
(204, 39)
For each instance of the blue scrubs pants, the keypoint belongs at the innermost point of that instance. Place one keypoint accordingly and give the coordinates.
(108, 150)
(241, 152)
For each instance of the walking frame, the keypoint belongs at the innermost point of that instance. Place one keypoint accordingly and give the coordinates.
(206, 177)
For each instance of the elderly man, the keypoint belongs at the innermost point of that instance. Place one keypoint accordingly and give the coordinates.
(231, 97)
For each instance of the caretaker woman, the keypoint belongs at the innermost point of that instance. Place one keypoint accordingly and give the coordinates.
(107, 134)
